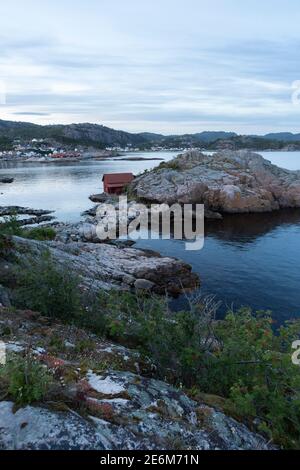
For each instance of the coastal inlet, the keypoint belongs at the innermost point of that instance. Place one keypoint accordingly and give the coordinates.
(247, 259)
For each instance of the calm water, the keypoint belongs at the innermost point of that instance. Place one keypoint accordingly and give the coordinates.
(65, 187)
(247, 260)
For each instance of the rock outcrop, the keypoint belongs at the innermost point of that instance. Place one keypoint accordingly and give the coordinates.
(107, 266)
(227, 181)
(108, 401)
(38, 216)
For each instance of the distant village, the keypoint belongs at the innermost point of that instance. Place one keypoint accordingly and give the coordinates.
(41, 150)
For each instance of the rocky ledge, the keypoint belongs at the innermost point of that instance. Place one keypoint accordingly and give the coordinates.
(105, 397)
(32, 216)
(227, 181)
(104, 266)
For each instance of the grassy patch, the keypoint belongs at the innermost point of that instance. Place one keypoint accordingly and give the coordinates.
(11, 227)
(48, 289)
(24, 380)
(40, 233)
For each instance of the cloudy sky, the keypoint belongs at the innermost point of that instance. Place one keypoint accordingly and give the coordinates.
(166, 66)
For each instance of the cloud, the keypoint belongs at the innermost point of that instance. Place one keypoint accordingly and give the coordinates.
(200, 64)
(30, 113)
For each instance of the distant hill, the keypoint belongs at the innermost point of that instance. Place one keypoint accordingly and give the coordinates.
(101, 136)
(82, 133)
(211, 136)
(283, 136)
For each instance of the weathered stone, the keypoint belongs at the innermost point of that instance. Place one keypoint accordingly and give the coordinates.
(103, 197)
(107, 266)
(18, 210)
(227, 181)
(4, 297)
(143, 284)
(38, 216)
(153, 415)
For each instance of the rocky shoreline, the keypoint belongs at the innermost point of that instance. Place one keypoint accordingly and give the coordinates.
(105, 266)
(110, 265)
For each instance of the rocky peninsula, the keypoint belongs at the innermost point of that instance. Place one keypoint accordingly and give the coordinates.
(225, 182)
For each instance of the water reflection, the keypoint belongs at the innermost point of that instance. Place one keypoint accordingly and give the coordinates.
(243, 229)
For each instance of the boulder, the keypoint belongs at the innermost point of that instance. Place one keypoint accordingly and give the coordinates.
(144, 284)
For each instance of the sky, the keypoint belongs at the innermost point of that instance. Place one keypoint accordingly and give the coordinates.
(165, 66)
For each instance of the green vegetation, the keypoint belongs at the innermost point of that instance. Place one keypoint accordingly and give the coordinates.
(240, 358)
(8, 228)
(39, 233)
(11, 226)
(241, 362)
(171, 165)
(48, 289)
(24, 380)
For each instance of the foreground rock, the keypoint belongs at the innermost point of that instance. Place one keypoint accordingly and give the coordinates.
(153, 416)
(108, 266)
(105, 398)
(225, 182)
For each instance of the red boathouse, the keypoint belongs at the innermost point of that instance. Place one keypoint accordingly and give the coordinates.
(115, 183)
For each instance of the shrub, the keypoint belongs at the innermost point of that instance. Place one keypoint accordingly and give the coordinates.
(10, 226)
(240, 358)
(171, 165)
(6, 246)
(26, 381)
(49, 289)
(40, 233)
(257, 375)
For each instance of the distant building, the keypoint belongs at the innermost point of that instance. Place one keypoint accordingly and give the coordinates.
(115, 183)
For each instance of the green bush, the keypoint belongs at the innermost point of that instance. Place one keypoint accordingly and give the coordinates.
(25, 380)
(8, 228)
(240, 358)
(11, 226)
(49, 289)
(40, 233)
(257, 375)
(171, 165)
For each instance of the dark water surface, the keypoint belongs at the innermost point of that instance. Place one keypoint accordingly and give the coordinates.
(247, 259)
